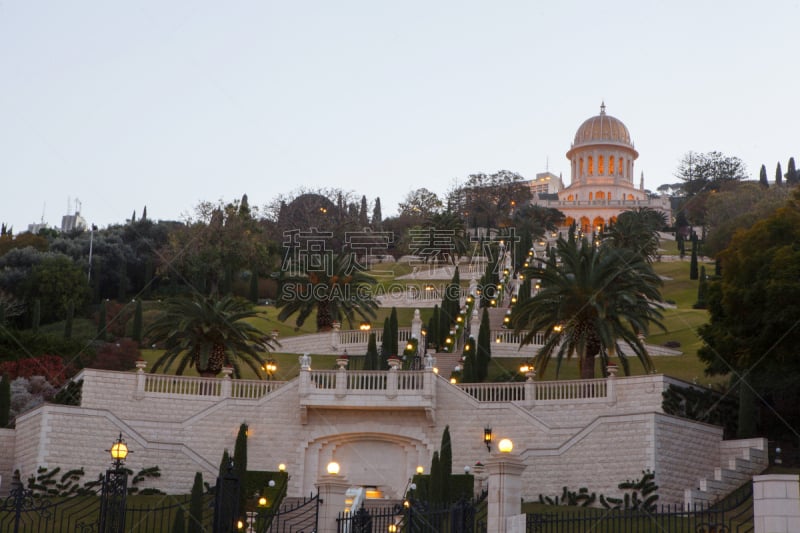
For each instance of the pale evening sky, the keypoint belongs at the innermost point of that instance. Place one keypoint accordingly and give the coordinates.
(165, 104)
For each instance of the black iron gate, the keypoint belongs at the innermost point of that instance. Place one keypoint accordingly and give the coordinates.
(463, 516)
(104, 507)
(733, 515)
(24, 512)
(297, 516)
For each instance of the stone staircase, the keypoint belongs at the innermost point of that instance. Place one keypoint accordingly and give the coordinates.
(446, 362)
(738, 465)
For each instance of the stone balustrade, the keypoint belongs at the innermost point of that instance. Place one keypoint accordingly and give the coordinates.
(384, 389)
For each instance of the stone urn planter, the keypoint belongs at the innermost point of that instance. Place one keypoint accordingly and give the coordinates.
(394, 362)
(342, 362)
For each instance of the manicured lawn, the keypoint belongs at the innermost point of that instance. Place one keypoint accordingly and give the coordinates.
(681, 326)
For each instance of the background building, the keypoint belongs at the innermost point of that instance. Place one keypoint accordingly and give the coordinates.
(602, 159)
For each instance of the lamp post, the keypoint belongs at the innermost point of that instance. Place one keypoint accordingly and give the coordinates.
(270, 367)
(115, 489)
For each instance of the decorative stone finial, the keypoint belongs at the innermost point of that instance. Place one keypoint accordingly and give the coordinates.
(603, 107)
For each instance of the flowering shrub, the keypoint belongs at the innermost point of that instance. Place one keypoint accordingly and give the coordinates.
(52, 367)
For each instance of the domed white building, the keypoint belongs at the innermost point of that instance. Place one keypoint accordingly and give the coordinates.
(602, 159)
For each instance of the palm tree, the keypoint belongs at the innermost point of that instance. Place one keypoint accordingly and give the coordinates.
(637, 229)
(447, 236)
(208, 333)
(338, 290)
(591, 298)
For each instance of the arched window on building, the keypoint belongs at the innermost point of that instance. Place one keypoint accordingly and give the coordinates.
(611, 165)
(590, 197)
(591, 166)
(570, 198)
(580, 166)
(600, 195)
(569, 221)
(597, 224)
(601, 167)
(630, 197)
(619, 166)
(585, 227)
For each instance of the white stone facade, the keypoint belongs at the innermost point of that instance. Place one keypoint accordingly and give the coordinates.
(378, 425)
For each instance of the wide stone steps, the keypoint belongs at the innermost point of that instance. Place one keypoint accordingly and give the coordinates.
(740, 465)
(446, 362)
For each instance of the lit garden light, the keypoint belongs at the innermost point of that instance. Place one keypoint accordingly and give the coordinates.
(119, 452)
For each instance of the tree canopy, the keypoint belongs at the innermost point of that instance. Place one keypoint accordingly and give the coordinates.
(592, 298)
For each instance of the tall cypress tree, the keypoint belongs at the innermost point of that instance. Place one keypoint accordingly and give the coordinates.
(179, 523)
(433, 328)
(377, 218)
(446, 452)
(778, 174)
(693, 264)
(702, 290)
(240, 464)
(468, 375)
(762, 177)
(484, 350)
(5, 400)
(393, 329)
(224, 463)
(196, 506)
(386, 342)
(371, 360)
(362, 213)
(791, 173)
(435, 485)
(524, 293)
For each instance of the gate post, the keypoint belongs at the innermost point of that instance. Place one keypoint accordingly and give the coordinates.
(505, 490)
(332, 488)
(226, 502)
(112, 506)
(115, 489)
(776, 503)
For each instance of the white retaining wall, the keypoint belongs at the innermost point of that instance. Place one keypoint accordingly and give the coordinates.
(596, 442)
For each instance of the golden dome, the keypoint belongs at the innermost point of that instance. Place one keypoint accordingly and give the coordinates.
(604, 129)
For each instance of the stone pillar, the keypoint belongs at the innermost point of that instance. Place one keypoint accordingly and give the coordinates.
(341, 382)
(475, 322)
(140, 379)
(391, 378)
(335, 337)
(332, 489)
(305, 374)
(611, 384)
(416, 326)
(429, 378)
(776, 503)
(505, 490)
(530, 389)
(226, 381)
